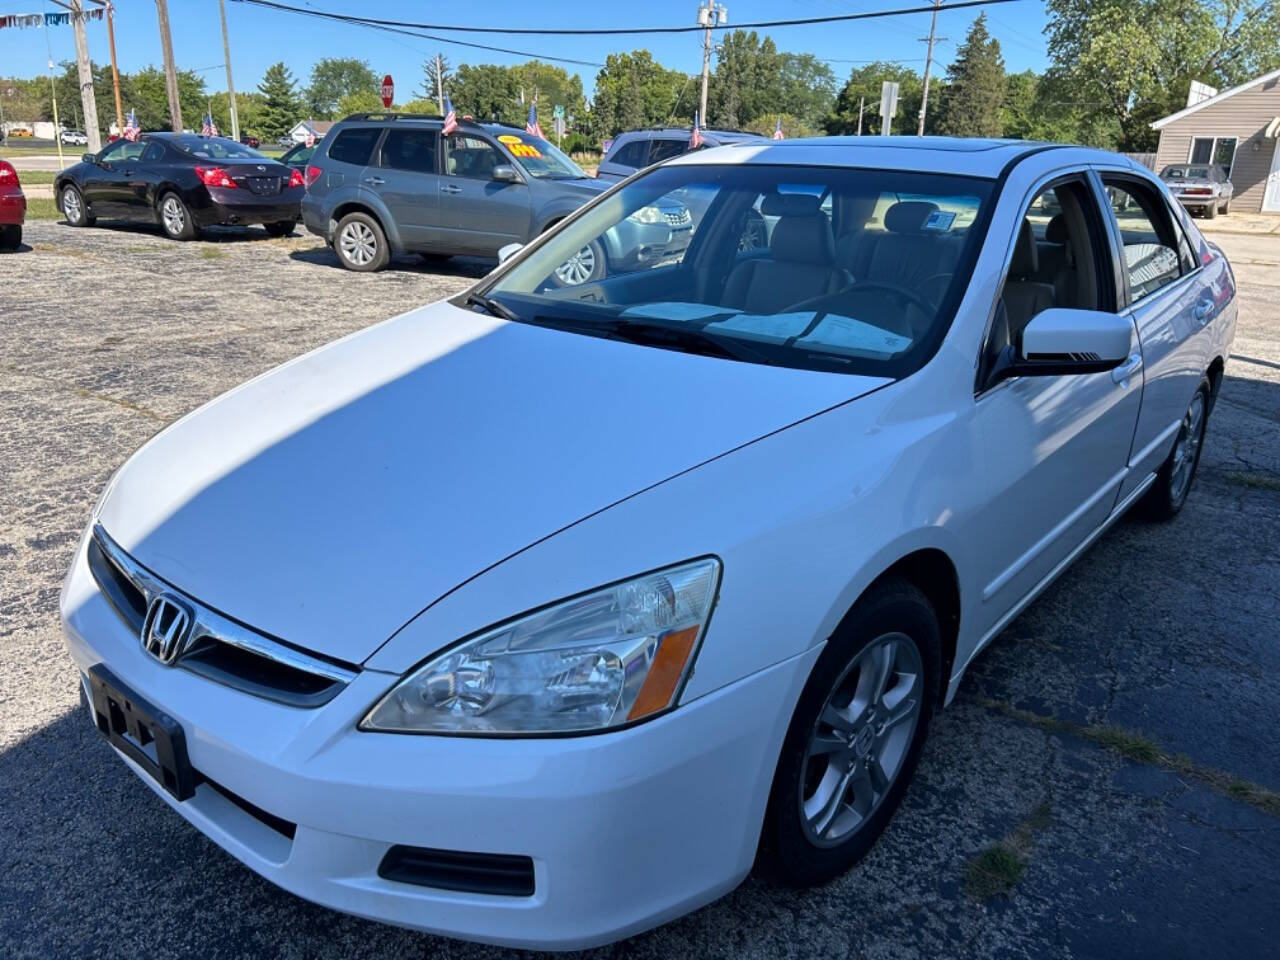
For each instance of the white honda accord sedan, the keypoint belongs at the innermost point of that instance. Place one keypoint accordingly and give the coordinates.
(539, 615)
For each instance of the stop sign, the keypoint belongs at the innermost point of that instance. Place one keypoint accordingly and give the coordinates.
(388, 90)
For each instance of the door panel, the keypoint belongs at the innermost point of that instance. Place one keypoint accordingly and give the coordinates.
(410, 187)
(104, 183)
(479, 214)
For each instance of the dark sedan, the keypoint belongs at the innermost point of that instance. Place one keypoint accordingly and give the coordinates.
(182, 182)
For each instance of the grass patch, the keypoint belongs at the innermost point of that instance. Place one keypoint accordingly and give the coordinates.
(993, 872)
(42, 208)
(211, 253)
(34, 178)
(1140, 748)
(1254, 479)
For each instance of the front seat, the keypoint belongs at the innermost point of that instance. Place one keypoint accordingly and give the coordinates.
(1024, 296)
(802, 265)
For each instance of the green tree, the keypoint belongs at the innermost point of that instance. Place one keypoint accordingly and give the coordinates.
(429, 87)
(248, 107)
(144, 92)
(554, 86)
(972, 103)
(747, 81)
(486, 91)
(333, 78)
(361, 101)
(633, 91)
(281, 106)
(863, 86)
(806, 89)
(70, 109)
(1129, 62)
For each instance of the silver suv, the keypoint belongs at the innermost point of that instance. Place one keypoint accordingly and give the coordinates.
(385, 183)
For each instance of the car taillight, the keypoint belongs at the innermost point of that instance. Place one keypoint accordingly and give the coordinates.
(1197, 191)
(313, 174)
(295, 178)
(7, 173)
(214, 177)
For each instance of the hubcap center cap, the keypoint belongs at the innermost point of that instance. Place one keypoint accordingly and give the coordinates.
(863, 741)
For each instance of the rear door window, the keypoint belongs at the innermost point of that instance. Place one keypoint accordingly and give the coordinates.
(413, 150)
(666, 149)
(354, 145)
(632, 154)
(1148, 236)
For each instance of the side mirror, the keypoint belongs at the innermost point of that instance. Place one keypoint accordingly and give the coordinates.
(88, 158)
(506, 173)
(1061, 341)
(509, 251)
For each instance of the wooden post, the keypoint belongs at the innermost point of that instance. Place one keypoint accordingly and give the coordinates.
(231, 87)
(115, 71)
(170, 72)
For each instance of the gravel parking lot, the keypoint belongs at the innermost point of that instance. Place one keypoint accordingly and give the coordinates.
(1107, 783)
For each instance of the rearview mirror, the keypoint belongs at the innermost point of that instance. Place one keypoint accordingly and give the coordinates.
(506, 173)
(1062, 341)
(510, 250)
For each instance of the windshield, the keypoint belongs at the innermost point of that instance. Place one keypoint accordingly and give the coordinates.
(824, 268)
(216, 148)
(541, 159)
(1186, 173)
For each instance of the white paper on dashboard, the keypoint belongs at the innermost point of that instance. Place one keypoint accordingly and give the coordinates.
(675, 310)
(845, 333)
(776, 327)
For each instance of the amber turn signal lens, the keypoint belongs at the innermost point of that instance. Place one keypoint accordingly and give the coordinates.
(664, 676)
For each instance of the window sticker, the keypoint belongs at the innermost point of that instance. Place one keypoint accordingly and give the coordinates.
(508, 138)
(854, 336)
(675, 310)
(776, 328)
(524, 150)
(940, 221)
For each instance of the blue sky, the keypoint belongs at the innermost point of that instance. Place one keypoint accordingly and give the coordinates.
(259, 36)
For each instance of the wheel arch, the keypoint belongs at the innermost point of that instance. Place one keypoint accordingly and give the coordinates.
(385, 222)
(1215, 373)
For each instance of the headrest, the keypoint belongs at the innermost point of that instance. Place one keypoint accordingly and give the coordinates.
(789, 204)
(1026, 259)
(856, 209)
(803, 239)
(1056, 231)
(908, 216)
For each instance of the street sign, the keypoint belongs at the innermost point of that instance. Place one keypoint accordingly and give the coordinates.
(558, 125)
(558, 111)
(388, 91)
(888, 105)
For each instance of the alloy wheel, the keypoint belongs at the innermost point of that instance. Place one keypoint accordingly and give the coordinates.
(71, 204)
(861, 739)
(1190, 436)
(358, 244)
(578, 268)
(173, 215)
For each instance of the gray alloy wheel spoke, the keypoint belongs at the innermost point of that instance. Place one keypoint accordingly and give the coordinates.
(578, 268)
(172, 213)
(864, 793)
(827, 743)
(358, 243)
(905, 709)
(886, 656)
(879, 779)
(822, 821)
(836, 718)
(1184, 451)
(71, 204)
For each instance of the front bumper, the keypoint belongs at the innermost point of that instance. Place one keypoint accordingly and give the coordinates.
(1197, 201)
(625, 830)
(239, 206)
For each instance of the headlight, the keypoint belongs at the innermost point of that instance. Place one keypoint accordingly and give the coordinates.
(596, 661)
(648, 215)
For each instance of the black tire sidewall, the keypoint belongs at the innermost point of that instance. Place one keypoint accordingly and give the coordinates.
(382, 256)
(280, 229)
(1159, 503)
(888, 607)
(188, 225)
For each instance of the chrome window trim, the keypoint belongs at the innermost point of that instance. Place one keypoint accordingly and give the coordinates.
(211, 625)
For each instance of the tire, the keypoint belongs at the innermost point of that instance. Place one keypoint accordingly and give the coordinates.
(74, 209)
(1225, 208)
(755, 233)
(1210, 211)
(1173, 480)
(11, 237)
(175, 218)
(586, 266)
(875, 760)
(360, 243)
(283, 228)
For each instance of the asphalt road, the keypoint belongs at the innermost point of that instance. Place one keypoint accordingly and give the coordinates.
(1104, 786)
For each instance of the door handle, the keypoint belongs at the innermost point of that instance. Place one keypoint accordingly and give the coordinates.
(450, 188)
(376, 181)
(127, 173)
(1203, 311)
(1122, 373)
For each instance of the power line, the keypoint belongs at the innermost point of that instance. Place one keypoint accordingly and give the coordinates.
(612, 31)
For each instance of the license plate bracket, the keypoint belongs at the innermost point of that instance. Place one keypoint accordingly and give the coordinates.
(145, 734)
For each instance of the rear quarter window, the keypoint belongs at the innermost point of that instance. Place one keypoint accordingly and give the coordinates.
(355, 145)
(631, 154)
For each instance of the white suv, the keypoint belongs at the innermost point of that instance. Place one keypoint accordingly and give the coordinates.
(530, 616)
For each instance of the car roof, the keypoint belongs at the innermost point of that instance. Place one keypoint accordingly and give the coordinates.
(967, 156)
(727, 136)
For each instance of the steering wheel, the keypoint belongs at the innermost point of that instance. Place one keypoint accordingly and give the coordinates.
(903, 293)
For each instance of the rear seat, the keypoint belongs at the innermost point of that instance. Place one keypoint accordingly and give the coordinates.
(904, 253)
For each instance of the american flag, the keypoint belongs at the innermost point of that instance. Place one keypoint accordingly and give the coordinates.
(777, 130)
(450, 118)
(695, 135)
(207, 129)
(531, 126)
(131, 128)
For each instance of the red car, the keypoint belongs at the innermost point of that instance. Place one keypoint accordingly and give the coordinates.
(13, 207)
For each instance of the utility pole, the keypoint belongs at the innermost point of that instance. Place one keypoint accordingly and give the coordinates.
(115, 71)
(862, 102)
(928, 62)
(710, 14)
(226, 58)
(170, 72)
(85, 71)
(440, 84)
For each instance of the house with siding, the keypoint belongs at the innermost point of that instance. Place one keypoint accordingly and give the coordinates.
(1239, 129)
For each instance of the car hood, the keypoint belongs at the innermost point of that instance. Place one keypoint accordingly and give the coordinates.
(330, 500)
(589, 186)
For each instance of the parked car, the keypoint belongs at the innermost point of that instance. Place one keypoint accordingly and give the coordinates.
(533, 616)
(393, 183)
(13, 207)
(75, 138)
(636, 149)
(285, 141)
(182, 182)
(1199, 187)
(298, 156)
(250, 141)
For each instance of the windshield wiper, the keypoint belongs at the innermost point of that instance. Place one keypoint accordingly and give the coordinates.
(491, 307)
(691, 339)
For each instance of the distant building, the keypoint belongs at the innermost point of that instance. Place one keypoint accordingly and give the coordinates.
(1238, 129)
(317, 127)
